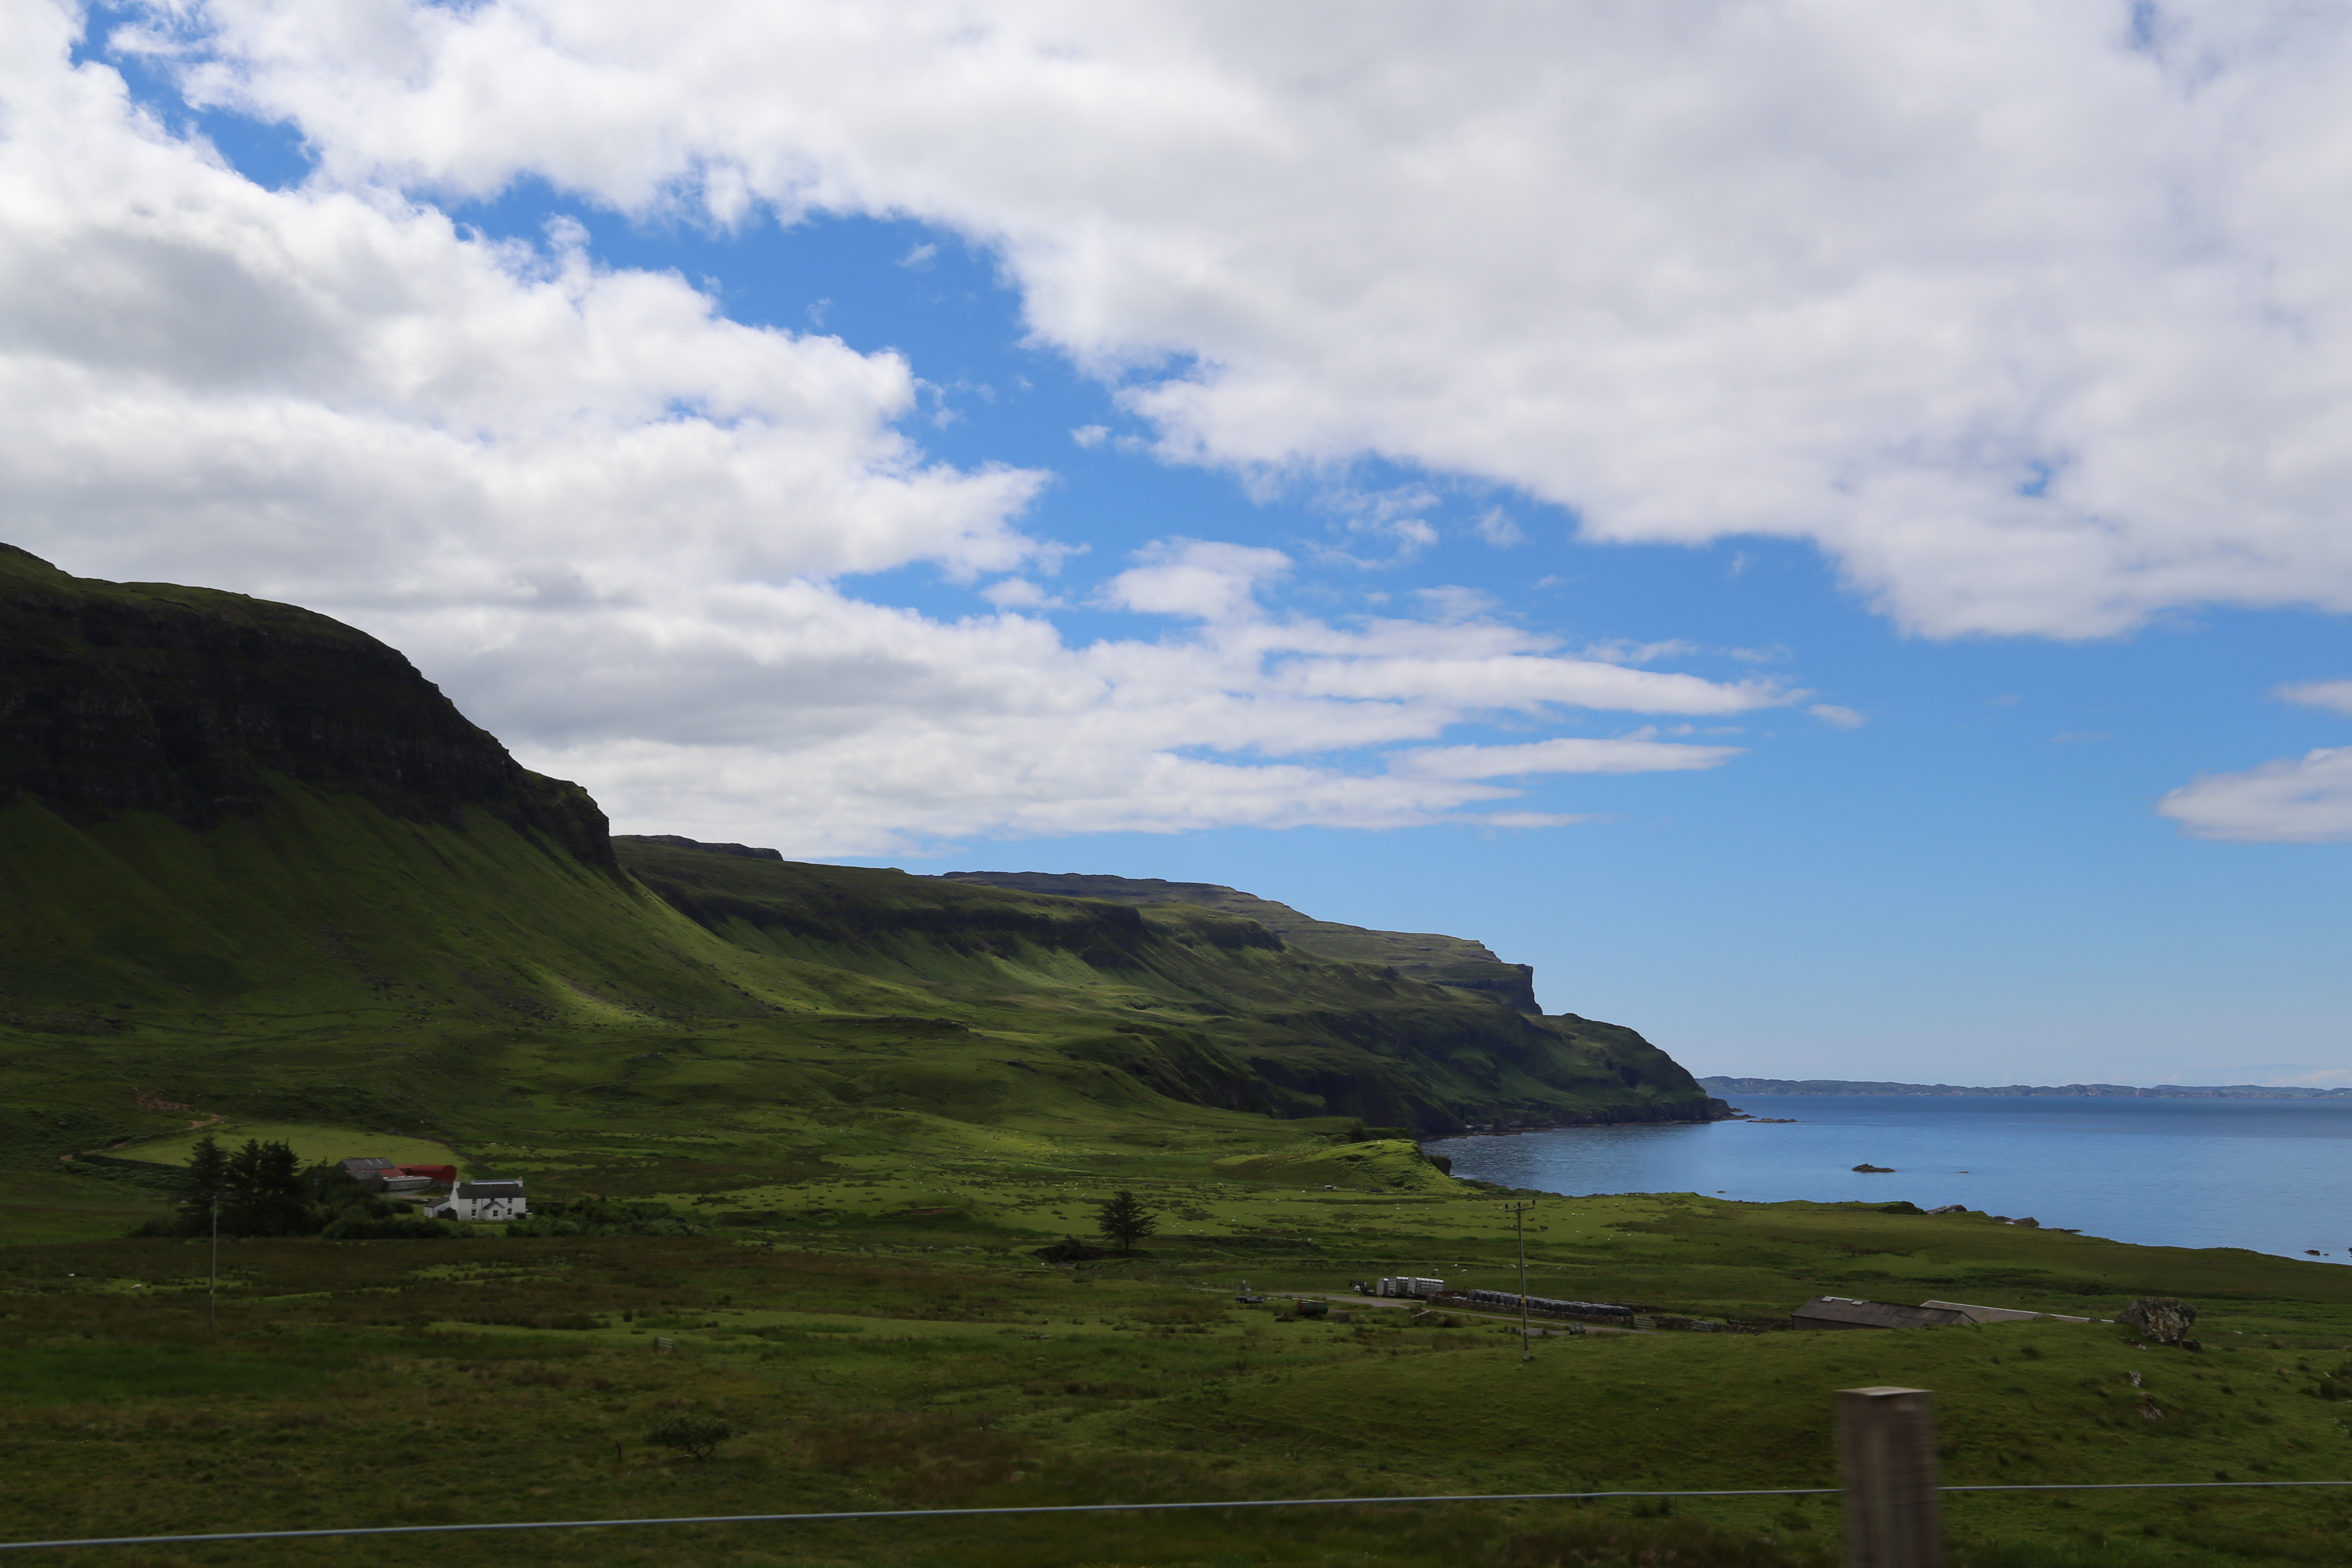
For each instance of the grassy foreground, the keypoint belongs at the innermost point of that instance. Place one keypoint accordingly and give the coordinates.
(884, 1337)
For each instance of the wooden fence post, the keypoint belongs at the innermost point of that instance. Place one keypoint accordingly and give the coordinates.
(1894, 1513)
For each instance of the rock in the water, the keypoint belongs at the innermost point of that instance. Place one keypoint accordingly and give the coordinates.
(2164, 1319)
(1875, 1170)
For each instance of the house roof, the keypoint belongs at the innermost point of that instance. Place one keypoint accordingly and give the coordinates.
(1848, 1311)
(490, 1189)
(366, 1162)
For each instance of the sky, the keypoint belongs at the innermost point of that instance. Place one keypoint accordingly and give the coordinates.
(1820, 526)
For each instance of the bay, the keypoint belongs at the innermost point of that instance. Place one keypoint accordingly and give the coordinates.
(2272, 1175)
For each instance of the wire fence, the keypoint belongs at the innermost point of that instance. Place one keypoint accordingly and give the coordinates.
(1099, 1508)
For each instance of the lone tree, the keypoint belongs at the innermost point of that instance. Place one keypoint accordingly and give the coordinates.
(699, 1435)
(1125, 1220)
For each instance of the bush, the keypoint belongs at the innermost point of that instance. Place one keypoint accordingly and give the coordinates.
(401, 1228)
(699, 1435)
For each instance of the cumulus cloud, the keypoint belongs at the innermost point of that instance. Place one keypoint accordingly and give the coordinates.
(336, 397)
(2028, 315)
(1837, 717)
(617, 525)
(2305, 800)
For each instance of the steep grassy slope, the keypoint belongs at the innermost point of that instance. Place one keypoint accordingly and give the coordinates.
(1202, 1005)
(252, 863)
(1451, 960)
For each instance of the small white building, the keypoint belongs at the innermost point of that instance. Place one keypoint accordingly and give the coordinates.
(1405, 1285)
(482, 1201)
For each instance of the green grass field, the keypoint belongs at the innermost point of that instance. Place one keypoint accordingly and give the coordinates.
(884, 1339)
(311, 1142)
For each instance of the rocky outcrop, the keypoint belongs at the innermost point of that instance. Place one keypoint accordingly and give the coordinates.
(2165, 1319)
(188, 702)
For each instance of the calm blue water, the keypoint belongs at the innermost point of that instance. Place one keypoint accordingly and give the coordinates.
(2275, 1176)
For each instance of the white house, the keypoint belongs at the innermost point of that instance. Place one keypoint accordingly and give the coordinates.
(482, 1201)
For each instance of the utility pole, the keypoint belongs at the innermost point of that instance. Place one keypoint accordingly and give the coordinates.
(1519, 1213)
(211, 1296)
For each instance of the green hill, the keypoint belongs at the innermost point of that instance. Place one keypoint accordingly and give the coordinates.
(253, 864)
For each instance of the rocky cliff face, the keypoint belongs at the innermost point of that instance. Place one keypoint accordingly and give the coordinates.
(182, 701)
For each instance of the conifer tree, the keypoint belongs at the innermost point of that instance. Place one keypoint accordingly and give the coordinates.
(1125, 1220)
(204, 1182)
(262, 1191)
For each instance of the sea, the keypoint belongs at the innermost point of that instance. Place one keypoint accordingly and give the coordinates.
(2272, 1175)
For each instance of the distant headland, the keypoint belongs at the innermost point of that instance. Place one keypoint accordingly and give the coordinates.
(1724, 1086)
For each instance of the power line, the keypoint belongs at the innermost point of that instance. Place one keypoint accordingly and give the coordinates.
(1089, 1508)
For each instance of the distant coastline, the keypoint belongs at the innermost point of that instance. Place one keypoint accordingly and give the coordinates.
(1761, 1086)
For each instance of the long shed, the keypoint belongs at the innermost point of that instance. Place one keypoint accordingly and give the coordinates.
(1851, 1313)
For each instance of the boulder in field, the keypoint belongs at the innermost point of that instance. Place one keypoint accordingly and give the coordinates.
(2166, 1320)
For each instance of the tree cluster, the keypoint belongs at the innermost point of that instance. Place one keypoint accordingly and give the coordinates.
(264, 1189)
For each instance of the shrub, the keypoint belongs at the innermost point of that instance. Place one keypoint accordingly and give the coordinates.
(602, 1217)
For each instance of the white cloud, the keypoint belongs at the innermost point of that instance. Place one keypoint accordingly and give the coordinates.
(1619, 651)
(2336, 696)
(1090, 435)
(1018, 594)
(1452, 602)
(2306, 800)
(335, 396)
(1394, 515)
(615, 524)
(825, 726)
(1536, 819)
(1837, 717)
(1497, 529)
(1202, 580)
(1636, 754)
(2037, 325)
